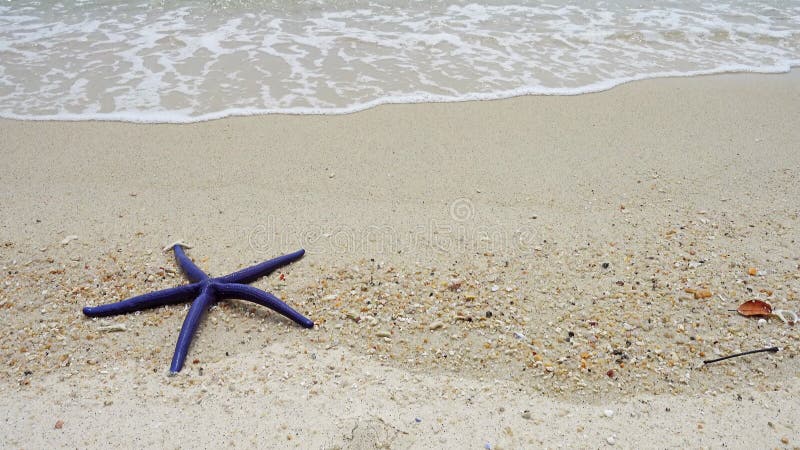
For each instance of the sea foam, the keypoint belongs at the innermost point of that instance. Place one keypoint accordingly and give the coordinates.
(192, 61)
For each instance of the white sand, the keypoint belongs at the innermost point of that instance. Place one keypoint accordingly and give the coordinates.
(688, 182)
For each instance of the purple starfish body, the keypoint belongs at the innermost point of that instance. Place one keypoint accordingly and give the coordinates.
(206, 291)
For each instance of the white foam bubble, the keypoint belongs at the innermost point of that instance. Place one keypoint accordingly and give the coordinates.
(186, 63)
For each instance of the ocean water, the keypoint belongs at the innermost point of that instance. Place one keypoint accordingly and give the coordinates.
(189, 61)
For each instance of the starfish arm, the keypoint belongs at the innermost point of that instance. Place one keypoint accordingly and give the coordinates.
(164, 297)
(249, 293)
(196, 311)
(253, 273)
(193, 272)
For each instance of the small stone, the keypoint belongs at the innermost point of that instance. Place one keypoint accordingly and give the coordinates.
(608, 413)
(526, 415)
(761, 322)
(68, 239)
(59, 424)
(495, 288)
(383, 334)
(611, 440)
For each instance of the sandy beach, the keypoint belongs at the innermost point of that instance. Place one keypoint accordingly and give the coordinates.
(525, 273)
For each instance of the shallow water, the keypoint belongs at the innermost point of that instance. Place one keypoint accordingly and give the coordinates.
(189, 61)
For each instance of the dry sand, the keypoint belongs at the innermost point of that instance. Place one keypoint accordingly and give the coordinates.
(530, 272)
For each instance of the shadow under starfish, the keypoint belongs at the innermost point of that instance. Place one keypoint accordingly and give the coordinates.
(205, 291)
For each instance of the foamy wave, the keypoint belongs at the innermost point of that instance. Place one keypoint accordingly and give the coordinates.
(139, 63)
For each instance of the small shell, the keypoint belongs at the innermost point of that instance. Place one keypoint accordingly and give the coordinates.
(181, 243)
(786, 316)
(112, 327)
(436, 325)
(755, 308)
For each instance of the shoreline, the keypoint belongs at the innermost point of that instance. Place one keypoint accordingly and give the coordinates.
(584, 224)
(596, 88)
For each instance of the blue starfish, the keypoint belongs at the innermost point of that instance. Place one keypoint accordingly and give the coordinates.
(205, 291)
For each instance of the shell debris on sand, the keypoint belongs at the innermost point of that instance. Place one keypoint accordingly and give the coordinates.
(114, 327)
(69, 239)
(565, 325)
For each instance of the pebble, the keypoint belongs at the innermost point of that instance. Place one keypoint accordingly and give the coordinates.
(526, 415)
(611, 440)
(608, 413)
(59, 424)
(383, 334)
(68, 239)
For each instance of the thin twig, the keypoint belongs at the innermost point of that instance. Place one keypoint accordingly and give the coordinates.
(771, 350)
